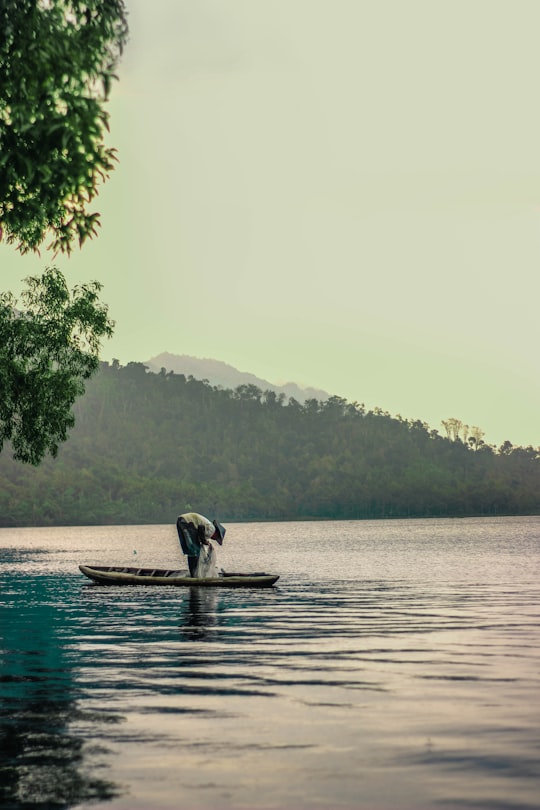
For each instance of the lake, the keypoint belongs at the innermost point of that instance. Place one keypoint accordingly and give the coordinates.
(396, 664)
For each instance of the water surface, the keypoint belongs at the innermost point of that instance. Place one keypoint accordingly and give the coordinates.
(395, 665)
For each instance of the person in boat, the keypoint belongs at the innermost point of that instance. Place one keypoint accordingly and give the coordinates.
(194, 532)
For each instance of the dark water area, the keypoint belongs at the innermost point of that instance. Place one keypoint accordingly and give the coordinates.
(396, 664)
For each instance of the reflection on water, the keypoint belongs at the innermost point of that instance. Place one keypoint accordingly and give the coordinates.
(198, 614)
(404, 674)
(42, 762)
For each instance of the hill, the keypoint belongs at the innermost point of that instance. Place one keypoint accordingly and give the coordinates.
(148, 446)
(226, 376)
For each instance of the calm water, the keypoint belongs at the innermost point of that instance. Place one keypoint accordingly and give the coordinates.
(395, 665)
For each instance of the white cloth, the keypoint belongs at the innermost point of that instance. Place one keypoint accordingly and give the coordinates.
(206, 567)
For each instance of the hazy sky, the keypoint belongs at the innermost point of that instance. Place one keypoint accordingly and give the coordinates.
(341, 193)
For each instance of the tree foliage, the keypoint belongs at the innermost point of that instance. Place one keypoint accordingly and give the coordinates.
(145, 446)
(49, 346)
(57, 61)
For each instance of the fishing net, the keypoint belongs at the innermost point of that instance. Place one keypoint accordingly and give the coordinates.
(207, 565)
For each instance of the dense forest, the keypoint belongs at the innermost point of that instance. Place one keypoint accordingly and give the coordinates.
(147, 446)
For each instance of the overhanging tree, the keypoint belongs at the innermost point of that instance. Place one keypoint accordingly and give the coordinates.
(47, 349)
(57, 62)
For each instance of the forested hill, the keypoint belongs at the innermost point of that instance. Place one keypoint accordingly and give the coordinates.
(148, 446)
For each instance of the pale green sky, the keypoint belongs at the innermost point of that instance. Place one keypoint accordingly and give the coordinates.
(341, 193)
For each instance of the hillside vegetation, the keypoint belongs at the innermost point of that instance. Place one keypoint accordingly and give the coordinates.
(148, 446)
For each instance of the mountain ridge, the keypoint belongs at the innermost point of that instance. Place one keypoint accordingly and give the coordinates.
(222, 374)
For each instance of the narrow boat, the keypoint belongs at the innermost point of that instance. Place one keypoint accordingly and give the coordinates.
(121, 575)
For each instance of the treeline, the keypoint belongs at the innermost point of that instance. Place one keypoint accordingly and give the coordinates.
(147, 446)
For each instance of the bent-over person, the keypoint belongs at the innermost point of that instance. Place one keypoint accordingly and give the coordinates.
(194, 532)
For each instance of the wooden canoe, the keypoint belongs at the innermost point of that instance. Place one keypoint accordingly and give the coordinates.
(122, 575)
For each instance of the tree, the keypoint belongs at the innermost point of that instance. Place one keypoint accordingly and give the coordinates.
(453, 428)
(476, 438)
(47, 349)
(57, 61)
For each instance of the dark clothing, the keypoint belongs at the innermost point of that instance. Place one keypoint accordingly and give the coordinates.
(192, 563)
(190, 537)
